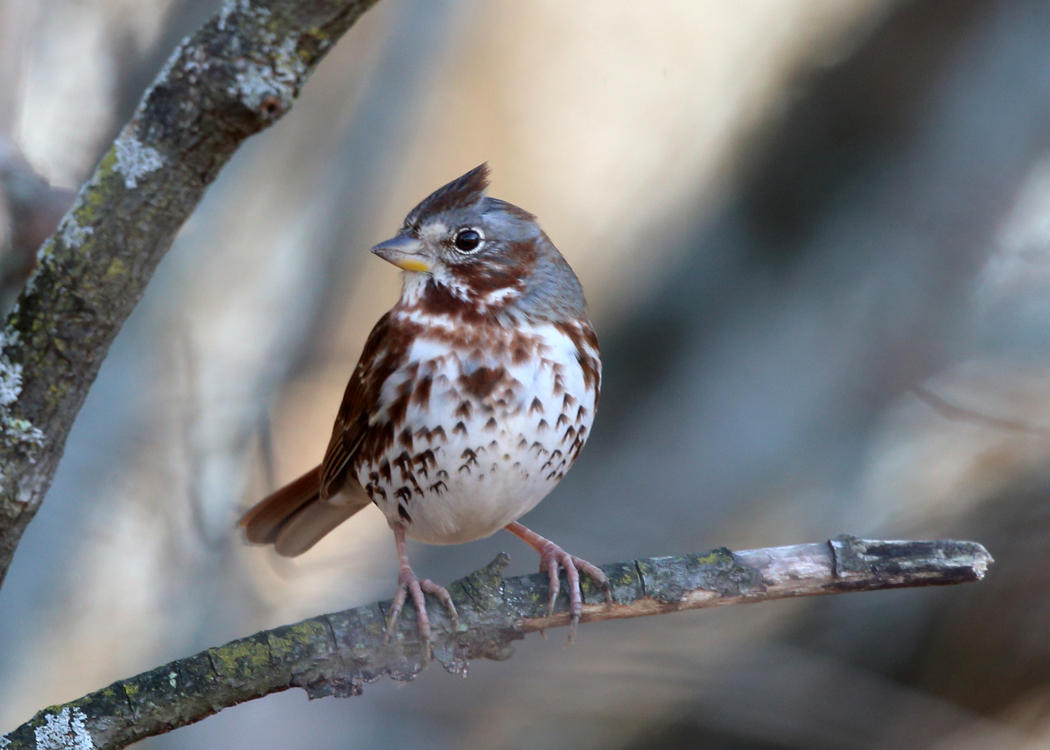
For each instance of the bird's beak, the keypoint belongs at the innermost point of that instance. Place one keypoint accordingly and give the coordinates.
(405, 252)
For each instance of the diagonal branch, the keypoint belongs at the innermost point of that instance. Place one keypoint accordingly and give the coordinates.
(339, 653)
(236, 75)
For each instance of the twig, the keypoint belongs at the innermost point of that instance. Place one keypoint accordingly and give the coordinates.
(954, 411)
(339, 653)
(237, 74)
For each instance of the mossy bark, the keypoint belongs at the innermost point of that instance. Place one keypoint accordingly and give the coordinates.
(236, 75)
(339, 653)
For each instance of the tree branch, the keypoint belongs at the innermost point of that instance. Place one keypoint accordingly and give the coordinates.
(236, 75)
(338, 654)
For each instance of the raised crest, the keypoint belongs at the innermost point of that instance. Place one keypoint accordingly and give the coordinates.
(462, 192)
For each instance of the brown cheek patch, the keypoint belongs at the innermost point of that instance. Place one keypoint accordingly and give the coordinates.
(507, 268)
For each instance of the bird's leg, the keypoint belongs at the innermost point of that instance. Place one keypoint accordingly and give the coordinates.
(408, 582)
(551, 557)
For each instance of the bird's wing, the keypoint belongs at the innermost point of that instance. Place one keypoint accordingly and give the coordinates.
(383, 353)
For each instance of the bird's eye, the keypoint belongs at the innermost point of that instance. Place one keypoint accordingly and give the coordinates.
(467, 240)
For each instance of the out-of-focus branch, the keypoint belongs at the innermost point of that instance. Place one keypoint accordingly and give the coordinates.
(339, 653)
(237, 74)
(955, 411)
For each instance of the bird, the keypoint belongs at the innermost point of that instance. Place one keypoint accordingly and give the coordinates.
(472, 398)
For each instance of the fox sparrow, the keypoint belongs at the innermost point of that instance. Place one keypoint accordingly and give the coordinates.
(472, 398)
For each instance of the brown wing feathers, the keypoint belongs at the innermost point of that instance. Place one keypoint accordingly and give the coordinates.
(297, 515)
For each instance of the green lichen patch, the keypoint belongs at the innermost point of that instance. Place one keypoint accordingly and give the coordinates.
(159, 689)
(624, 584)
(295, 641)
(669, 579)
(116, 268)
(240, 660)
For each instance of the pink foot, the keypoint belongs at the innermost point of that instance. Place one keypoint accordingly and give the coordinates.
(551, 558)
(409, 583)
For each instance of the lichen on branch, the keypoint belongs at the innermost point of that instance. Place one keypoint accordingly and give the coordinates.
(237, 74)
(342, 652)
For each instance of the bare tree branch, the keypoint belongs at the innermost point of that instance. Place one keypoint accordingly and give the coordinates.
(339, 653)
(237, 74)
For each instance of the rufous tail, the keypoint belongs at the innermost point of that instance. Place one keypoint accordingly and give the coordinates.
(295, 517)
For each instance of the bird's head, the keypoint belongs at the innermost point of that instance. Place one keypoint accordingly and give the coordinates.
(460, 249)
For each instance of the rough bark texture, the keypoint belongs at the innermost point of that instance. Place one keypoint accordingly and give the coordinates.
(338, 654)
(237, 74)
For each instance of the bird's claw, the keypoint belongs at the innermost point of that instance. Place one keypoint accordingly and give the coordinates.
(551, 558)
(409, 583)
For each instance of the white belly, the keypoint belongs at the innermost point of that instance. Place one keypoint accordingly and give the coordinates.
(459, 472)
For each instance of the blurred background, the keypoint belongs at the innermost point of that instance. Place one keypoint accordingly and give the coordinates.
(815, 237)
